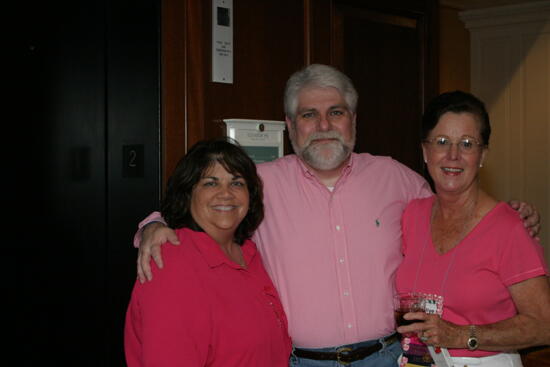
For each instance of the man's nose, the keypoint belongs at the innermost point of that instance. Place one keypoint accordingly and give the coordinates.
(324, 123)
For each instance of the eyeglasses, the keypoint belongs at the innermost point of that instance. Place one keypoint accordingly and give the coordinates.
(465, 145)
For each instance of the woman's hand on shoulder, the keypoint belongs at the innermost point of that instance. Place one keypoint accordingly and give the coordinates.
(153, 236)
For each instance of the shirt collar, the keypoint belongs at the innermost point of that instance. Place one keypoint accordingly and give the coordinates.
(345, 171)
(213, 254)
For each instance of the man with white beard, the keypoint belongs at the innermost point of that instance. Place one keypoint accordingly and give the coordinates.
(331, 236)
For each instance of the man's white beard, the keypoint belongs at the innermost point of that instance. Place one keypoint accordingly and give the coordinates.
(324, 156)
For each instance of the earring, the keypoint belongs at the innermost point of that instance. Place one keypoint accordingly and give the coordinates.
(480, 165)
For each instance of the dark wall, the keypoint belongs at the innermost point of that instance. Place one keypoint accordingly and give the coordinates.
(89, 170)
(269, 45)
(387, 47)
(389, 50)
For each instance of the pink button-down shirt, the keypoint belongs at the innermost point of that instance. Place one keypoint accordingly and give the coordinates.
(332, 255)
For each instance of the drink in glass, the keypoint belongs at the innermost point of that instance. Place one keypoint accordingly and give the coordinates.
(404, 303)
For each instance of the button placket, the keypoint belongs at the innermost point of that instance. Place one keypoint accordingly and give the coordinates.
(269, 293)
(343, 271)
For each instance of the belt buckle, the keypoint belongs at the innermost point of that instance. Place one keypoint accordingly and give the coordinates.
(339, 352)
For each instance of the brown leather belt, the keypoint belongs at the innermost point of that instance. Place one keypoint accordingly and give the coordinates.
(345, 355)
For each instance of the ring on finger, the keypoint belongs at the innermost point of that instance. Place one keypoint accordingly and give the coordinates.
(423, 336)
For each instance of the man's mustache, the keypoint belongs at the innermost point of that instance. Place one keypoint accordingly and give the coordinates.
(324, 135)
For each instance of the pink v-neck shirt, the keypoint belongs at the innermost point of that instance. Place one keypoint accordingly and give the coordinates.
(474, 276)
(332, 255)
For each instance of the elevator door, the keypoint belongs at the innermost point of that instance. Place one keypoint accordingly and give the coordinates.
(89, 167)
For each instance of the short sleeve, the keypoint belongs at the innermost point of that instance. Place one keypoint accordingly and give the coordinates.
(521, 257)
(167, 320)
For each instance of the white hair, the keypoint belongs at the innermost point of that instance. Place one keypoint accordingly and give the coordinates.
(318, 75)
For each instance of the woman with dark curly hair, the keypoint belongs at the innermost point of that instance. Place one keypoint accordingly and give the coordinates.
(213, 304)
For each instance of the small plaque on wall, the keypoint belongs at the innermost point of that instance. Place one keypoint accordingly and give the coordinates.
(263, 140)
(222, 41)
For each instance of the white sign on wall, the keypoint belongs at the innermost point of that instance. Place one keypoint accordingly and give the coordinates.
(263, 140)
(222, 41)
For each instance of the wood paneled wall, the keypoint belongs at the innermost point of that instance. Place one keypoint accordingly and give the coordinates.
(268, 46)
(454, 51)
(274, 39)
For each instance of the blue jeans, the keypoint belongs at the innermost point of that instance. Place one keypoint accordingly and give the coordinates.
(385, 357)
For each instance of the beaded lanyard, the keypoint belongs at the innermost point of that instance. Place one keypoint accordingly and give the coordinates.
(432, 304)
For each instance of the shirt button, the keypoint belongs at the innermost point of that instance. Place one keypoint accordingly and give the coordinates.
(349, 326)
(337, 228)
(341, 260)
(346, 293)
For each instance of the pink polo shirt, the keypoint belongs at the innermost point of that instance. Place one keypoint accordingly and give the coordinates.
(204, 310)
(333, 254)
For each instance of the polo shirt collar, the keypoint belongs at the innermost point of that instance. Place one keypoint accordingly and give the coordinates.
(213, 254)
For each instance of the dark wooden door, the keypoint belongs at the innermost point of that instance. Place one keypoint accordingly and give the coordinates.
(88, 163)
(388, 50)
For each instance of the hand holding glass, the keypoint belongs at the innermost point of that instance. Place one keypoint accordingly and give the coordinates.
(404, 303)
